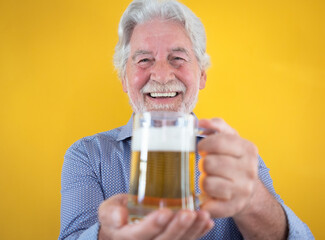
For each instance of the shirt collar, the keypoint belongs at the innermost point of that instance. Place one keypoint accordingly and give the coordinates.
(126, 130)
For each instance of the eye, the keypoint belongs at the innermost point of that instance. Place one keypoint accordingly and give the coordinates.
(144, 60)
(177, 61)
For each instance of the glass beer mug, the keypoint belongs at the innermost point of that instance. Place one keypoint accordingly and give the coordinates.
(163, 163)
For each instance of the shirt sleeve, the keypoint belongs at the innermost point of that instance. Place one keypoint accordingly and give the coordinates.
(91, 233)
(297, 228)
(81, 194)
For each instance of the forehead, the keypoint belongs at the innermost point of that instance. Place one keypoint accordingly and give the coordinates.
(159, 34)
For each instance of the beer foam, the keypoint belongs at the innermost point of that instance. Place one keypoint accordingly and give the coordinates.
(174, 139)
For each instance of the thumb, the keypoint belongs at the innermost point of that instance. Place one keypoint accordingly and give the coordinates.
(113, 213)
(216, 125)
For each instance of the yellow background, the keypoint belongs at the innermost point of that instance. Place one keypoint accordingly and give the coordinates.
(57, 84)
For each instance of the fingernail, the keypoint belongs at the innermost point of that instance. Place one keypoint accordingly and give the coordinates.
(211, 223)
(117, 218)
(186, 216)
(163, 218)
(203, 214)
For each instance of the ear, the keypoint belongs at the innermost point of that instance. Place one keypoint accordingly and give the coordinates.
(203, 79)
(124, 84)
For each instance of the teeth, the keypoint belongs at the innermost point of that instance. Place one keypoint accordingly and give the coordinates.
(170, 94)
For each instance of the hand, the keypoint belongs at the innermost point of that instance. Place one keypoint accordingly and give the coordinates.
(228, 169)
(159, 225)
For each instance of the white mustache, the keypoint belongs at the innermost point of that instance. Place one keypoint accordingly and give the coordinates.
(170, 86)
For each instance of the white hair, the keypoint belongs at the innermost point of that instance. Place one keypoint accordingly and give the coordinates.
(141, 11)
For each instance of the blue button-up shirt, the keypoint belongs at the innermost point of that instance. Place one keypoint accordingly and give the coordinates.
(98, 167)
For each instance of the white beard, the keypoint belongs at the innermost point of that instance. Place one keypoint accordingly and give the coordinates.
(154, 86)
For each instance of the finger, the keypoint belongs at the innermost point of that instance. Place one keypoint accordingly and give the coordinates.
(218, 165)
(148, 228)
(216, 187)
(216, 125)
(232, 169)
(220, 208)
(222, 144)
(178, 226)
(201, 225)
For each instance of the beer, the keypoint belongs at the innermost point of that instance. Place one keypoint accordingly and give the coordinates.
(162, 170)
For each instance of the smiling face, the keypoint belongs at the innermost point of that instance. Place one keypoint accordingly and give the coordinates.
(162, 72)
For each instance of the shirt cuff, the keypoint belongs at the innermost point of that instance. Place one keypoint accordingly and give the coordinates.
(91, 233)
(297, 229)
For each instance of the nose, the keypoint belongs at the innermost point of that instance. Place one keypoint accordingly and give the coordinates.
(162, 72)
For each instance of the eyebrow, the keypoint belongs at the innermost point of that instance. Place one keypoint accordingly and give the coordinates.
(140, 52)
(180, 49)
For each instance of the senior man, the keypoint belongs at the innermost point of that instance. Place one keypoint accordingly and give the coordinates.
(161, 59)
